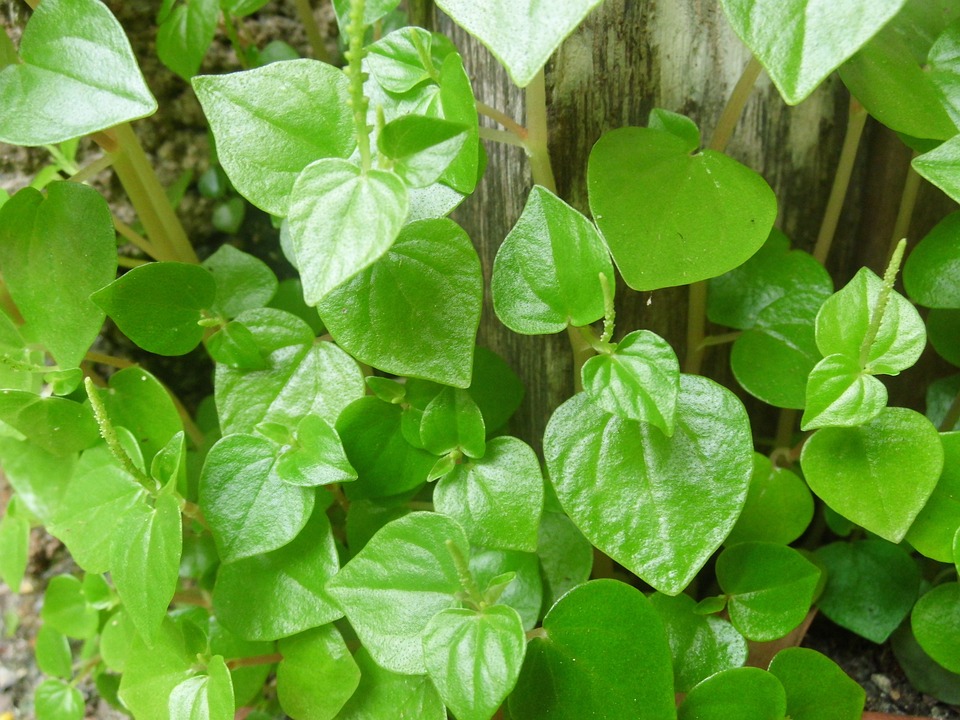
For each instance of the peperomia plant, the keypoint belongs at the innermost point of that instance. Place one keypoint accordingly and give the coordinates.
(346, 529)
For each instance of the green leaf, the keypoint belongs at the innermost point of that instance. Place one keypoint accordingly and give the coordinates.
(659, 506)
(372, 11)
(940, 167)
(151, 672)
(247, 681)
(205, 697)
(671, 215)
(845, 318)
(474, 658)
(779, 506)
(452, 421)
(639, 380)
(159, 305)
(931, 274)
(393, 587)
(273, 121)
(280, 593)
(301, 377)
(342, 220)
(56, 700)
(62, 244)
(936, 624)
(57, 425)
(116, 637)
(53, 653)
(317, 674)
(289, 298)
(250, 511)
(14, 546)
(566, 556)
(415, 312)
(769, 588)
(840, 393)
(889, 78)
(621, 668)
(871, 586)
(934, 528)
(879, 475)
(139, 402)
(522, 36)
(421, 147)
(78, 75)
(316, 456)
(943, 327)
(545, 275)
(38, 477)
(235, 346)
(185, 34)
(943, 67)
(817, 689)
(243, 281)
(386, 464)
(406, 58)
(939, 397)
(65, 609)
(701, 645)
(675, 124)
(773, 359)
(497, 498)
(509, 578)
(738, 298)
(740, 694)
(800, 42)
(241, 8)
(384, 695)
(924, 674)
(145, 562)
(496, 389)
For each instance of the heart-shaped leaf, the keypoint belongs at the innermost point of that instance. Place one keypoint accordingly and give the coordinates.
(800, 42)
(205, 697)
(817, 688)
(933, 531)
(566, 556)
(510, 578)
(621, 668)
(521, 35)
(936, 624)
(639, 380)
(244, 282)
(740, 694)
(385, 695)
(78, 76)
(56, 700)
(315, 457)
(879, 475)
(451, 421)
(421, 147)
(931, 274)
(941, 166)
(841, 394)
(185, 35)
(659, 506)
(317, 674)
(672, 215)
(779, 506)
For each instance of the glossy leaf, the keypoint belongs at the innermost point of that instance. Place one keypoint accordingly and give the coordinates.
(740, 694)
(474, 658)
(817, 688)
(566, 556)
(421, 147)
(671, 215)
(800, 42)
(937, 523)
(936, 625)
(879, 475)
(841, 394)
(56, 700)
(342, 220)
(159, 305)
(406, 58)
(415, 312)
(943, 327)
(63, 243)
(139, 402)
(451, 421)
(385, 695)
(779, 506)
(522, 36)
(621, 668)
(659, 506)
(78, 75)
(249, 510)
(675, 124)
(57, 425)
(496, 389)
(931, 274)
(769, 588)
(939, 397)
(940, 167)
(315, 456)
(497, 498)
(65, 609)
(273, 121)
(235, 346)
(513, 578)
(871, 586)
(924, 674)
(701, 645)
(393, 587)
(247, 681)
(386, 464)
(53, 653)
(639, 380)
(243, 281)
(301, 377)
(317, 674)
(152, 672)
(280, 593)
(546, 272)
(204, 697)
(372, 11)
(145, 562)
(184, 36)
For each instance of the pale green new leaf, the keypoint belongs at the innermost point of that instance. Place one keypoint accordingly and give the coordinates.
(841, 394)
(317, 674)
(184, 36)
(204, 697)
(56, 700)
(941, 166)
(244, 282)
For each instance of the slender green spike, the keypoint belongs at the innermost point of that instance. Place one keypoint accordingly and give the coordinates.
(110, 436)
(889, 277)
(609, 311)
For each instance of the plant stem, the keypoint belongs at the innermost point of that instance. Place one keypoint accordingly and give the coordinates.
(856, 120)
(785, 425)
(502, 136)
(502, 118)
(113, 442)
(192, 597)
(358, 101)
(734, 107)
(8, 53)
(315, 38)
(136, 174)
(722, 339)
(109, 360)
(92, 169)
(234, 37)
(135, 238)
(270, 659)
(130, 262)
(696, 327)
(889, 276)
(193, 511)
(908, 201)
(582, 351)
(537, 133)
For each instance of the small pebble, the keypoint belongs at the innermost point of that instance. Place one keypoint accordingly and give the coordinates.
(882, 682)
